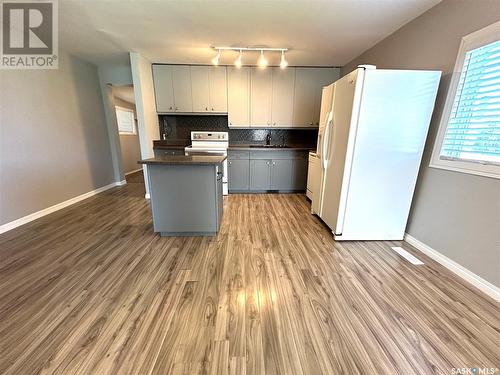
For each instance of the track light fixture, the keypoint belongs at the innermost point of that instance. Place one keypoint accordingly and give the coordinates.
(261, 62)
(216, 59)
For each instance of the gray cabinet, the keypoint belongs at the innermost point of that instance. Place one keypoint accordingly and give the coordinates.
(299, 174)
(281, 174)
(260, 174)
(239, 174)
(168, 151)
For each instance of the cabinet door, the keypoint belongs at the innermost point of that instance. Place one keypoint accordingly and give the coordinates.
(281, 174)
(164, 89)
(260, 96)
(238, 96)
(218, 88)
(259, 174)
(299, 174)
(181, 78)
(282, 97)
(239, 174)
(323, 77)
(304, 97)
(200, 88)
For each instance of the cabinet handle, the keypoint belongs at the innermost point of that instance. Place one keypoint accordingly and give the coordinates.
(176, 108)
(230, 162)
(206, 108)
(170, 108)
(212, 109)
(274, 163)
(267, 163)
(310, 123)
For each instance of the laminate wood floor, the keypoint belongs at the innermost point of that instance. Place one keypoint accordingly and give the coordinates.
(91, 290)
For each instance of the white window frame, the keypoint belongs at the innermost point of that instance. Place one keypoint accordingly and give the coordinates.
(472, 41)
(134, 127)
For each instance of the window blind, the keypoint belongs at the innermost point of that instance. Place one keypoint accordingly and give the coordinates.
(473, 131)
(125, 119)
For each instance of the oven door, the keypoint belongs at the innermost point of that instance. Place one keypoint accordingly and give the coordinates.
(205, 151)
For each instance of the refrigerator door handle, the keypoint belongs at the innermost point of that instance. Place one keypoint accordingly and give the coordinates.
(326, 135)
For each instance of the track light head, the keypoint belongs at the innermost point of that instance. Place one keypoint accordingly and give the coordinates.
(238, 63)
(283, 62)
(216, 59)
(262, 60)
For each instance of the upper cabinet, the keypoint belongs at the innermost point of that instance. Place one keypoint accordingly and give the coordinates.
(218, 88)
(309, 83)
(260, 96)
(164, 89)
(181, 78)
(282, 97)
(200, 88)
(270, 97)
(190, 89)
(238, 96)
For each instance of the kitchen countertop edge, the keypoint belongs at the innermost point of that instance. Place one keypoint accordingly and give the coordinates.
(184, 160)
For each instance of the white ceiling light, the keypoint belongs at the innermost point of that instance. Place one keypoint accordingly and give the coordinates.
(238, 61)
(215, 60)
(283, 62)
(262, 60)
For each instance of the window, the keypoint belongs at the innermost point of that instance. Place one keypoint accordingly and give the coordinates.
(126, 121)
(469, 135)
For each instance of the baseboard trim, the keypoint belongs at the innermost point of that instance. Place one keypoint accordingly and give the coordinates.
(464, 273)
(46, 211)
(134, 171)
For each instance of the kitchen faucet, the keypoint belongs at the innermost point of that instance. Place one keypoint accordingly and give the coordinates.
(268, 139)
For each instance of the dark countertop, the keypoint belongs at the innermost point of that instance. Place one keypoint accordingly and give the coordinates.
(171, 144)
(184, 159)
(247, 147)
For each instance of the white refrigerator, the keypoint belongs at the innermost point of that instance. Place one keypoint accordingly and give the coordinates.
(370, 144)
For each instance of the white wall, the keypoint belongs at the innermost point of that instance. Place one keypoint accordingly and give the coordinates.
(147, 118)
(53, 139)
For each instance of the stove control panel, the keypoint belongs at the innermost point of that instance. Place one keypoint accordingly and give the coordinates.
(209, 136)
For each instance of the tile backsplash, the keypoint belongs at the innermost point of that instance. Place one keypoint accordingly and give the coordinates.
(180, 127)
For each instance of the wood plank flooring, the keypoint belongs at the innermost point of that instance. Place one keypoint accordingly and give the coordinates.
(91, 290)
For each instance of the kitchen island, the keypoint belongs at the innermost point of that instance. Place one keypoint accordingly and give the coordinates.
(186, 194)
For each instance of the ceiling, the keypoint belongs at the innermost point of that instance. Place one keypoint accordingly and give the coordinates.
(125, 92)
(328, 33)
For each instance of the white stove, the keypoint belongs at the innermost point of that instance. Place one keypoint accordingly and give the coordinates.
(210, 143)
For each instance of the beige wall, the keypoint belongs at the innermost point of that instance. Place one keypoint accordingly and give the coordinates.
(129, 143)
(456, 214)
(53, 139)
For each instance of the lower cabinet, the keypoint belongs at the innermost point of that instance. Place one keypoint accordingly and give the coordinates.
(259, 174)
(281, 174)
(239, 177)
(267, 170)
